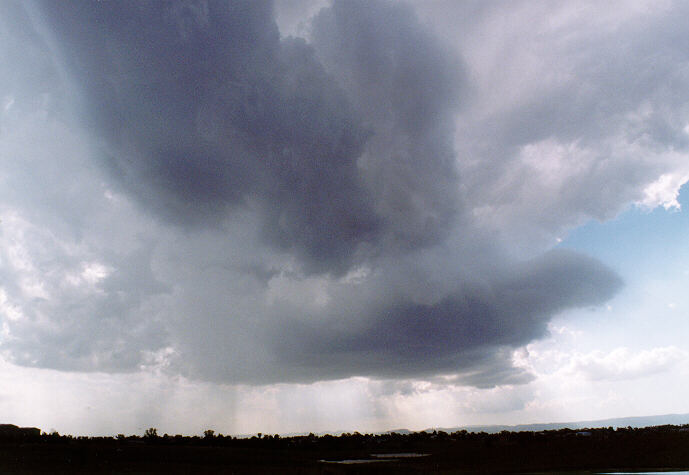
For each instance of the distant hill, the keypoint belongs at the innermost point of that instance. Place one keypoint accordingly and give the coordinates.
(10, 431)
(642, 421)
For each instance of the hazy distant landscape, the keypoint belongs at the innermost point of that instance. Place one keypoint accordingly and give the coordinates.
(638, 421)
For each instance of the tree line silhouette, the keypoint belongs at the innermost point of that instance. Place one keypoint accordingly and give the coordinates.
(658, 447)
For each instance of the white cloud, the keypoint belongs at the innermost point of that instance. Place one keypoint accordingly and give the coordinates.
(7, 309)
(625, 364)
(664, 191)
(558, 357)
(89, 274)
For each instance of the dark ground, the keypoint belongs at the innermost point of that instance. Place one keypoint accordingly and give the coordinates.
(588, 451)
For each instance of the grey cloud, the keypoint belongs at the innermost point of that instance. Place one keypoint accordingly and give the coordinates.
(81, 315)
(406, 86)
(31, 77)
(597, 89)
(293, 16)
(452, 334)
(203, 109)
(309, 219)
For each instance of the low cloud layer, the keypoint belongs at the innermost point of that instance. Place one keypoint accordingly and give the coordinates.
(403, 336)
(186, 189)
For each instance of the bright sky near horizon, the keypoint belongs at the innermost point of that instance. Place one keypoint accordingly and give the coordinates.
(352, 215)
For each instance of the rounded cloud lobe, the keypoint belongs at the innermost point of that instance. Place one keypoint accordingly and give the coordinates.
(398, 335)
(260, 209)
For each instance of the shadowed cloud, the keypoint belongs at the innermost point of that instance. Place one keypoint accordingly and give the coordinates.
(257, 208)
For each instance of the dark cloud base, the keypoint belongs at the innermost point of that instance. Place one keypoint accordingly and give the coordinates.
(472, 331)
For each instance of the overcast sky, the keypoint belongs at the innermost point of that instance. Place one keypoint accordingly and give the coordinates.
(306, 215)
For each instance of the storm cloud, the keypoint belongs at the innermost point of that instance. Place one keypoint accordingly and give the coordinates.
(343, 146)
(448, 335)
(202, 108)
(247, 207)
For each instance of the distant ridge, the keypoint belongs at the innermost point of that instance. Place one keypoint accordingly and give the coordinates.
(640, 421)
(398, 431)
(10, 431)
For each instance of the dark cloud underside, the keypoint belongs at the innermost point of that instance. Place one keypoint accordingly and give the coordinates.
(451, 334)
(203, 108)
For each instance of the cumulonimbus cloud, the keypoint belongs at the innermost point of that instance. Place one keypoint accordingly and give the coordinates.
(298, 207)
